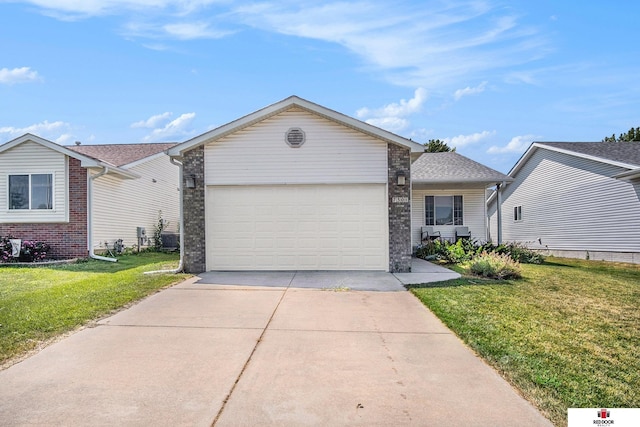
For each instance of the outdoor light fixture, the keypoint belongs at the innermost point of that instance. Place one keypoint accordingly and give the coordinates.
(402, 178)
(191, 181)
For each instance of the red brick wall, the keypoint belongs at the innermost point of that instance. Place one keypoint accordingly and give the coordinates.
(67, 240)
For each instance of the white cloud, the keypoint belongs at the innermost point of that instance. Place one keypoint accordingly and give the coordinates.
(153, 121)
(413, 44)
(469, 91)
(518, 144)
(194, 30)
(176, 129)
(462, 140)
(18, 75)
(392, 116)
(48, 130)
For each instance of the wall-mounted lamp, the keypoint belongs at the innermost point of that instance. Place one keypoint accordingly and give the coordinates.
(401, 177)
(191, 181)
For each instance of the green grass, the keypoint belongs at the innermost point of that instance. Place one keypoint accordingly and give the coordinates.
(38, 304)
(566, 335)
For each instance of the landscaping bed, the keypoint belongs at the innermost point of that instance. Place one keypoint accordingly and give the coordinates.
(567, 335)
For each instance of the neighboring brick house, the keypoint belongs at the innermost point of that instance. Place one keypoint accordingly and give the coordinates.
(58, 194)
(297, 186)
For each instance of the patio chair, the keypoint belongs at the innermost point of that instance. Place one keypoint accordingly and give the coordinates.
(428, 234)
(462, 233)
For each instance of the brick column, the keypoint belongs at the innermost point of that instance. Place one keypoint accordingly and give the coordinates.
(399, 160)
(193, 212)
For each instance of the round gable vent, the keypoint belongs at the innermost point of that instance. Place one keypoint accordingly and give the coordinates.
(295, 137)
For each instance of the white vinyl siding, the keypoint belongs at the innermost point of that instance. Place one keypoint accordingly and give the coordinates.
(31, 158)
(297, 227)
(570, 203)
(121, 205)
(473, 211)
(331, 154)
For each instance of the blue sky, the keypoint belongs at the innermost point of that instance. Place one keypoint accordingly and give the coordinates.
(488, 77)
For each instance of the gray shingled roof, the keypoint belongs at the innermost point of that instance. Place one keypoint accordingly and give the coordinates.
(452, 167)
(121, 154)
(623, 152)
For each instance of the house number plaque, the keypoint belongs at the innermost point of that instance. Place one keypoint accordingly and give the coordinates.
(400, 199)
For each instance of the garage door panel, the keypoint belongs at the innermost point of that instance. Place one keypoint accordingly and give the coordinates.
(310, 227)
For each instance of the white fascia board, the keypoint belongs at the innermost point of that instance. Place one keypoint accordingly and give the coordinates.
(85, 161)
(145, 160)
(587, 156)
(293, 101)
(628, 175)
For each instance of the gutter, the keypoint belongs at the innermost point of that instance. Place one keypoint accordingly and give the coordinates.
(90, 179)
(181, 263)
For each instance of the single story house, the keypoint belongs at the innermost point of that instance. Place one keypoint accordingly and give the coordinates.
(297, 186)
(77, 198)
(574, 199)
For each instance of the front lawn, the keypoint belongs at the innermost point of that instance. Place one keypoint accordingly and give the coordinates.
(567, 335)
(38, 304)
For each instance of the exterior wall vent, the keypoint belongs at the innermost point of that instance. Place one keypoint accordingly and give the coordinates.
(295, 137)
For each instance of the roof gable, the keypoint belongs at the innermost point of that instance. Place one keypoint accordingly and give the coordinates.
(284, 105)
(86, 161)
(451, 167)
(622, 154)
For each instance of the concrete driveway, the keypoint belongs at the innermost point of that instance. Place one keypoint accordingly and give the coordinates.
(226, 355)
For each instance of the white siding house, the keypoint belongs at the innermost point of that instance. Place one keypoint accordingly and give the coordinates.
(574, 199)
(120, 206)
(76, 198)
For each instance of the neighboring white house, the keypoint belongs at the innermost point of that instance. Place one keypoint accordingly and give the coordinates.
(121, 206)
(574, 199)
(56, 194)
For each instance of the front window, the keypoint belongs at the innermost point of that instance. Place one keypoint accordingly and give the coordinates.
(443, 210)
(31, 191)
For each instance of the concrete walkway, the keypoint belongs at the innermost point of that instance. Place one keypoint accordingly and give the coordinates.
(205, 354)
(421, 272)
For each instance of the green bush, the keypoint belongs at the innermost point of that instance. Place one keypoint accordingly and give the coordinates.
(494, 266)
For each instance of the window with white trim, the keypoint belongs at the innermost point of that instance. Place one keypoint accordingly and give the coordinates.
(517, 213)
(31, 191)
(443, 210)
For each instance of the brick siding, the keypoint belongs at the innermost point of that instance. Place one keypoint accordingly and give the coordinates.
(399, 159)
(194, 212)
(67, 240)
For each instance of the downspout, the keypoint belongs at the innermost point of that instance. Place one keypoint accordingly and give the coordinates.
(499, 210)
(90, 179)
(181, 263)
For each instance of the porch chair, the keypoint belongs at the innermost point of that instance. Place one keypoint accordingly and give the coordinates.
(428, 234)
(462, 233)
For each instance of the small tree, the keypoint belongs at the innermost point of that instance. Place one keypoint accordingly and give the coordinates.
(437, 146)
(161, 224)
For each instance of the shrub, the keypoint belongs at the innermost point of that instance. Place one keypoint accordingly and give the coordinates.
(30, 250)
(494, 266)
(33, 251)
(5, 249)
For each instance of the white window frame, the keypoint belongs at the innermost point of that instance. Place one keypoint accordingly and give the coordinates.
(30, 208)
(453, 207)
(517, 213)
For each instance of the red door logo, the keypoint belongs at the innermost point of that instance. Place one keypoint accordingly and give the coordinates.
(603, 413)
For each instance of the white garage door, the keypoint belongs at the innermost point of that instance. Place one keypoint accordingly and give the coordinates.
(297, 227)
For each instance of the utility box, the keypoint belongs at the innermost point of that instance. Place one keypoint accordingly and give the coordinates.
(141, 232)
